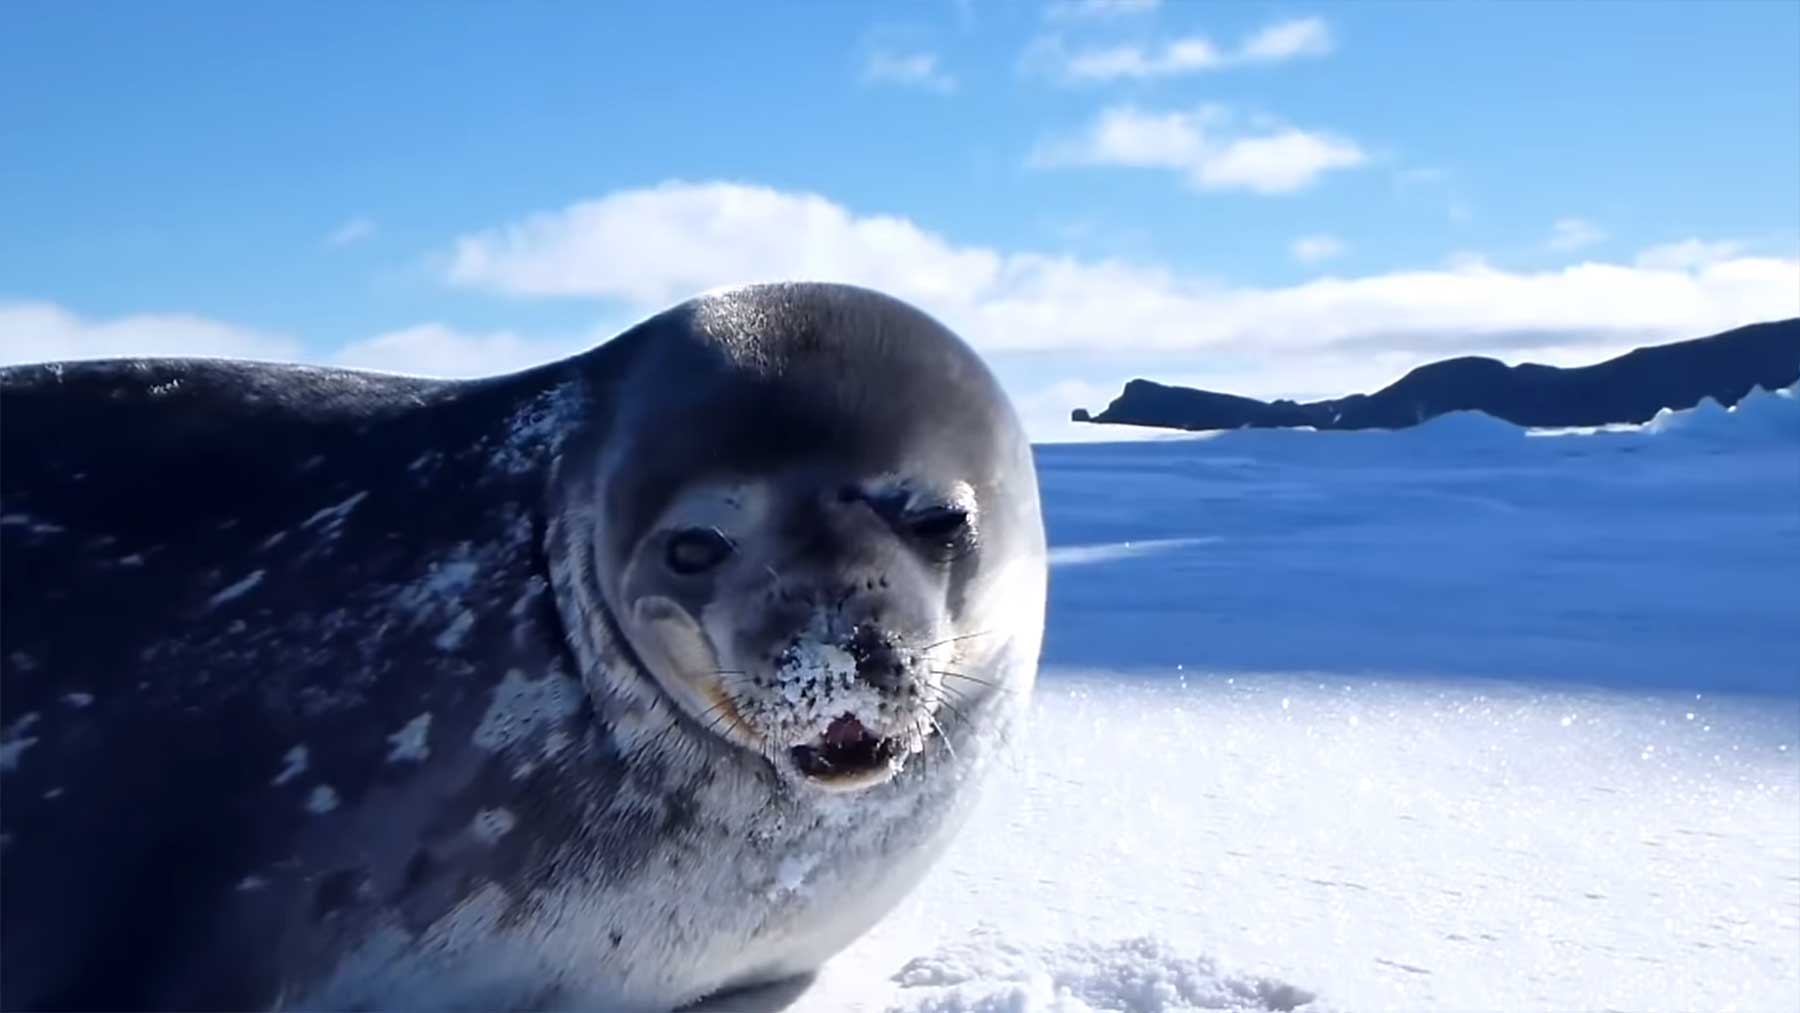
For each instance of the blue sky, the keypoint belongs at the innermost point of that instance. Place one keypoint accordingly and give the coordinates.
(1267, 198)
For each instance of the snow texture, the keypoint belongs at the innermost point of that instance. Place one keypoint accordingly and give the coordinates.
(817, 682)
(1456, 717)
(987, 973)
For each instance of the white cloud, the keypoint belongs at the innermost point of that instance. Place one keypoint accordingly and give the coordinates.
(1097, 10)
(1045, 411)
(1688, 254)
(1287, 40)
(1312, 249)
(353, 231)
(1570, 234)
(909, 70)
(1181, 56)
(653, 246)
(1206, 145)
(1063, 331)
(649, 248)
(436, 350)
(42, 332)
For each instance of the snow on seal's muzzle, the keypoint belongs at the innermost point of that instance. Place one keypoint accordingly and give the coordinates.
(860, 706)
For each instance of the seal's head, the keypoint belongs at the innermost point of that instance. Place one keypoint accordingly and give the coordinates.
(818, 526)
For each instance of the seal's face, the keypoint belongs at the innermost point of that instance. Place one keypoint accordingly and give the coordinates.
(812, 516)
(807, 614)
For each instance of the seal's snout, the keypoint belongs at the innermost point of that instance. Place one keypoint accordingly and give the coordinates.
(849, 704)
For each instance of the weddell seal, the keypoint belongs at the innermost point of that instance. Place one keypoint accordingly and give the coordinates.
(614, 683)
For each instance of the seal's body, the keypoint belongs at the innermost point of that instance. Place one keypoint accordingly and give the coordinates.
(660, 670)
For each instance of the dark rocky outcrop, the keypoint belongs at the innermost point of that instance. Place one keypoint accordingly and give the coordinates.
(1630, 388)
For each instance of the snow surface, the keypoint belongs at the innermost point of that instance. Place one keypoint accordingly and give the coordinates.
(1456, 717)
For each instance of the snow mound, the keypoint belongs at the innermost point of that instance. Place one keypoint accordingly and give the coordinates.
(988, 973)
(1460, 427)
(1760, 413)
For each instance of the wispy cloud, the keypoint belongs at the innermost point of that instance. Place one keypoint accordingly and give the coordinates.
(353, 231)
(1287, 40)
(1316, 248)
(44, 332)
(435, 349)
(1688, 254)
(1182, 56)
(1096, 10)
(1570, 234)
(1208, 146)
(909, 70)
(1051, 55)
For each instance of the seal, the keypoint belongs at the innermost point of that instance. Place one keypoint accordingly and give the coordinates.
(620, 682)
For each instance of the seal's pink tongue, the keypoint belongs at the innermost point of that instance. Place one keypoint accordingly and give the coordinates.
(845, 731)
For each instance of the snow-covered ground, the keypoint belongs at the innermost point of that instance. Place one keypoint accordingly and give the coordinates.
(1452, 718)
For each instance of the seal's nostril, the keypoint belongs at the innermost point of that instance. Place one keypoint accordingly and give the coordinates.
(878, 662)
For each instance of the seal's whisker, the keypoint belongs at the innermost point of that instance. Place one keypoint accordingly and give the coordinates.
(989, 683)
(781, 588)
(955, 640)
(942, 734)
(655, 740)
(924, 742)
(714, 727)
(941, 685)
(720, 706)
(947, 693)
(722, 716)
(956, 712)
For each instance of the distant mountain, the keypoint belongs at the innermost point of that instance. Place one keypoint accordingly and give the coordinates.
(1630, 388)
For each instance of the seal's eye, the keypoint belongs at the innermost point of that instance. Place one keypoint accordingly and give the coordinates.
(697, 550)
(938, 525)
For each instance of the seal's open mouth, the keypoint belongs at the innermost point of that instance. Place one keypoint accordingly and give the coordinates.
(846, 754)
